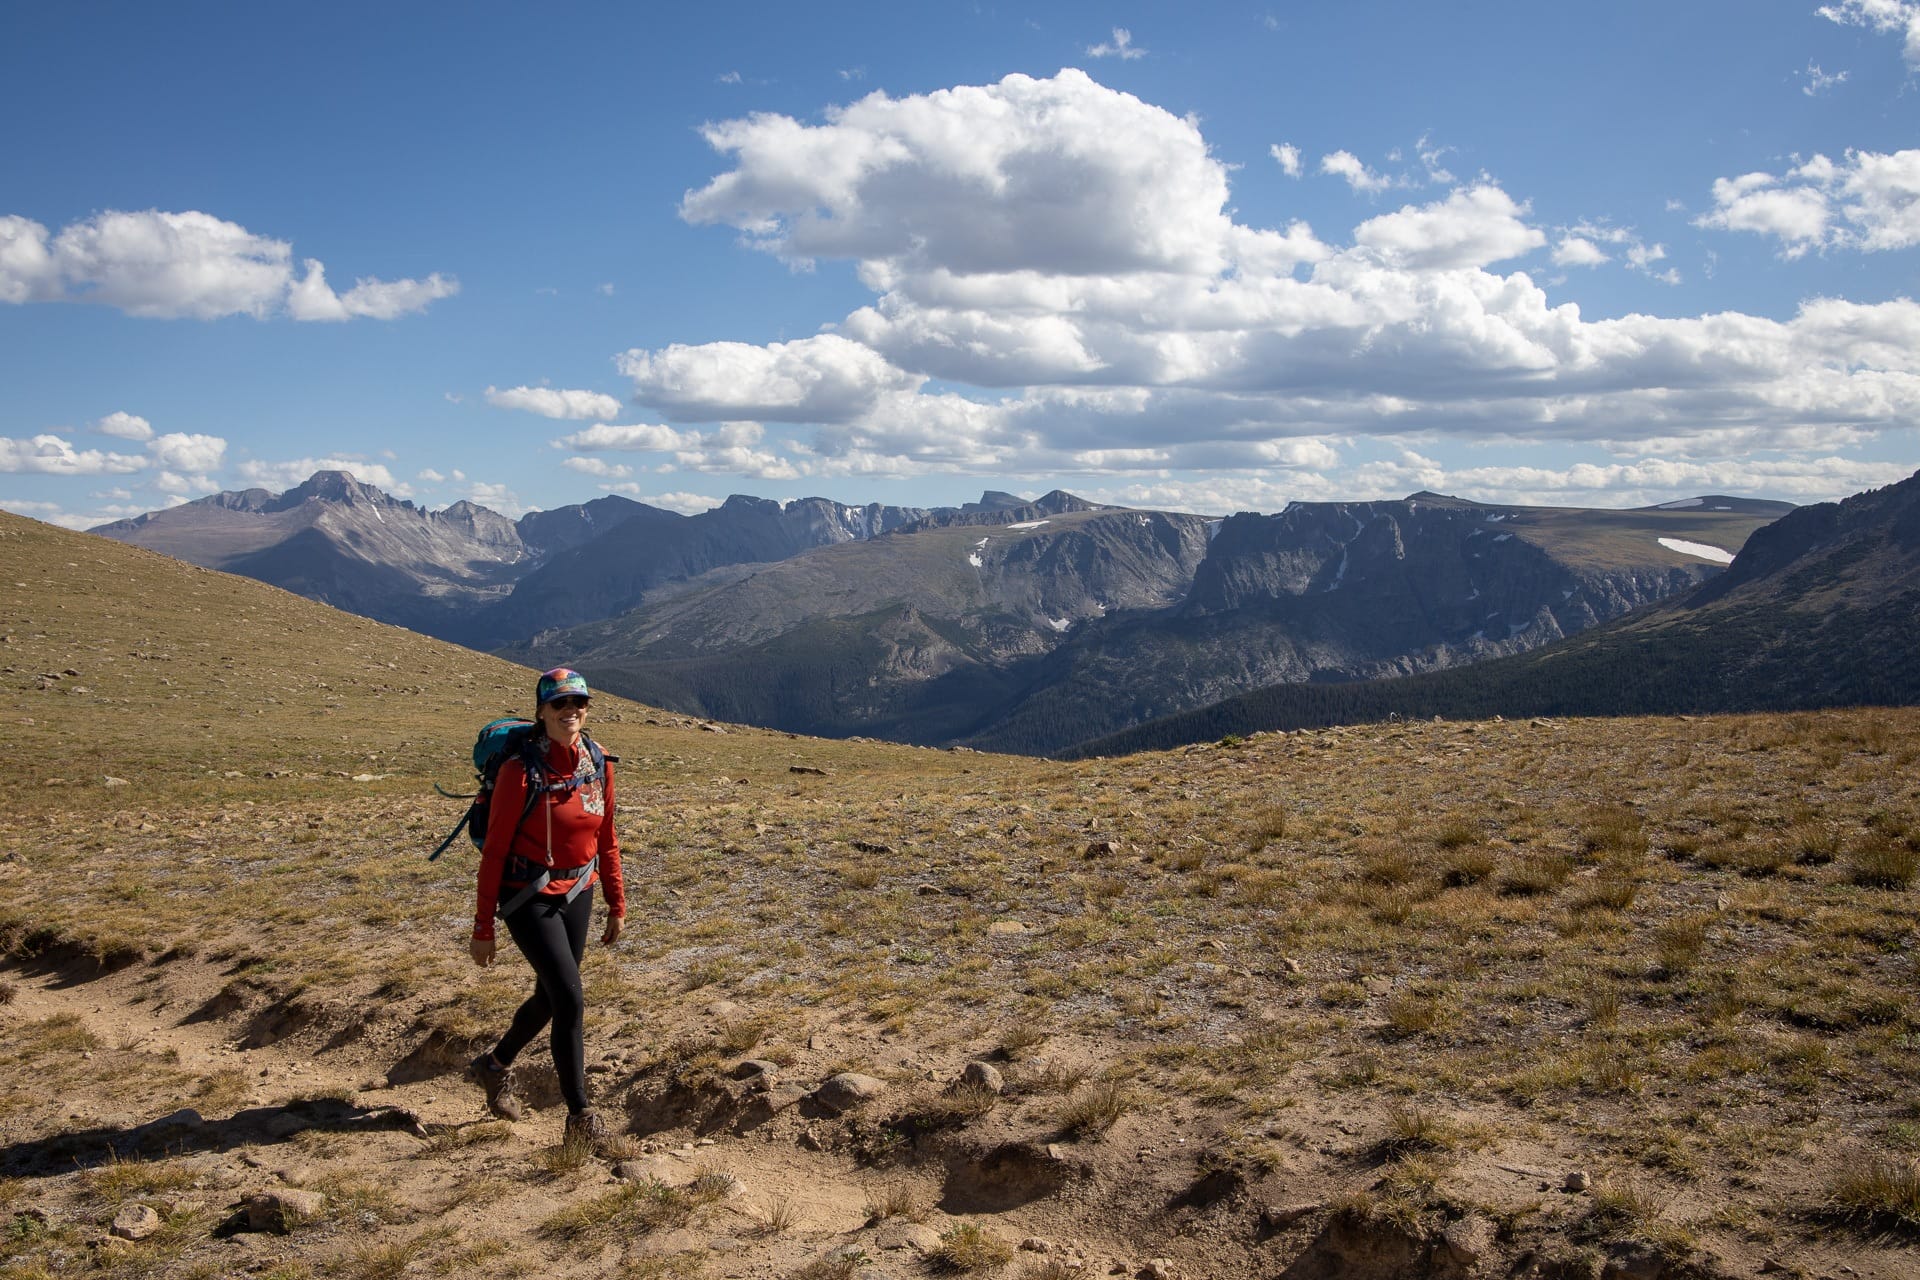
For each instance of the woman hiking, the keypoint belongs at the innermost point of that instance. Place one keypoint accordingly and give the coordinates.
(566, 836)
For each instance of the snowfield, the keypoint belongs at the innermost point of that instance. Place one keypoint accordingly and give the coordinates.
(1716, 554)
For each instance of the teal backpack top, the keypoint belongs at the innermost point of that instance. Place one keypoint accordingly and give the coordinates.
(499, 741)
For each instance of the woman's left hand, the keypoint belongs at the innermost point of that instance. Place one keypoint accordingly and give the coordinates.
(614, 925)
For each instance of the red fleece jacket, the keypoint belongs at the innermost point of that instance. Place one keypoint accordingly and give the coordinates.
(563, 830)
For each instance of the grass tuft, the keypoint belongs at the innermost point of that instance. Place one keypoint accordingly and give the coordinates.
(968, 1248)
(1881, 862)
(1880, 1194)
(1095, 1109)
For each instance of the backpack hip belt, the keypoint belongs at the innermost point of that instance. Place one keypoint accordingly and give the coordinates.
(541, 881)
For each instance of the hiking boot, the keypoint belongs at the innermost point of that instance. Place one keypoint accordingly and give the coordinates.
(498, 1082)
(587, 1127)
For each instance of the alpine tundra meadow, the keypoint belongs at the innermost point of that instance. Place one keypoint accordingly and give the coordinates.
(1244, 642)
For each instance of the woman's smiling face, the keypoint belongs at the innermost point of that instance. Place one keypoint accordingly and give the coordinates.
(563, 718)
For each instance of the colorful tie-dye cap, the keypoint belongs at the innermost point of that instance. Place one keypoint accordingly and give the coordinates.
(561, 682)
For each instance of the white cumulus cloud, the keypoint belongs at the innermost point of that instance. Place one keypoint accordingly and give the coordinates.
(1470, 228)
(597, 467)
(180, 451)
(1059, 175)
(1120, 46)
(1287, 156)
(51, 455)
(552, 402)
(1344, 164)
(124, 426)
(190, 264)
(1884, 16)
(312, 299)
(1870, 201)
(687, 504)
(1578, 251)
(638, 438)
(288, 474)
(821, 379)
(1059, 287)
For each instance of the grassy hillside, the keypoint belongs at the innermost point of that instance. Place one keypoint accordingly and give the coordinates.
(1346, 1002)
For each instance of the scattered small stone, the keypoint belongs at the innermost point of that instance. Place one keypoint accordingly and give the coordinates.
(295, 1175)
(1469, 1240)
(921, 1239)
(752, 1067)
(1034, 1244)
(711, 728)
(807, 769)
(112, 781)
(848, 1090)
(282, 1211)
(871, 846)
(984, 1075)
(1577, 1181)
(1103, 848)
(641, 1170)
(811, 1139)
(1278, 1217)
(171, 1125)
(1005, 927)
(134, 1222)
(1157, 1269)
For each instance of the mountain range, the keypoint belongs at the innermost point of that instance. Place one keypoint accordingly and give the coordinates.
(1003, 624)
(1820, 608)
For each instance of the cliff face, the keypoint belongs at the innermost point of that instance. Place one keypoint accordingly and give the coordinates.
(1819, 609)
(1349, 591)
(911, 634)
(614, 571)
(1032, 628)
(1398, 576)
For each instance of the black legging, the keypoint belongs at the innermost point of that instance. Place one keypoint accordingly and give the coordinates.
(552, 935)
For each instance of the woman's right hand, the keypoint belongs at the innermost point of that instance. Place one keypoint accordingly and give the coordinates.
(482, 949)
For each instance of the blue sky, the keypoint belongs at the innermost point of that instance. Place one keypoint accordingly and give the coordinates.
(1581, 255)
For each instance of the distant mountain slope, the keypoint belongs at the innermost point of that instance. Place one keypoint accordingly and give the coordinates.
(349, 544)
(908, 635)
(1090, 619)
(614, 571)
(471, 575)
(1820, 608)
(1334, 592)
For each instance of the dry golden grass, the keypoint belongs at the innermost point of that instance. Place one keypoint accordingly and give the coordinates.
(1703, 922)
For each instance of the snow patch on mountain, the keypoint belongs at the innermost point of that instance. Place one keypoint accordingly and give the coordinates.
(1700, 550)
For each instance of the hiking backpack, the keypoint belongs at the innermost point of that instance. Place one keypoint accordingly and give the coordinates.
(499, 741)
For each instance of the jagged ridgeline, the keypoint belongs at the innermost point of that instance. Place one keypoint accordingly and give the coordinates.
(1821, 609)
(1005, 625)
(1063, 621)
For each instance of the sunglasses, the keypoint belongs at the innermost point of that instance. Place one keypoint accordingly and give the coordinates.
(568, 704)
